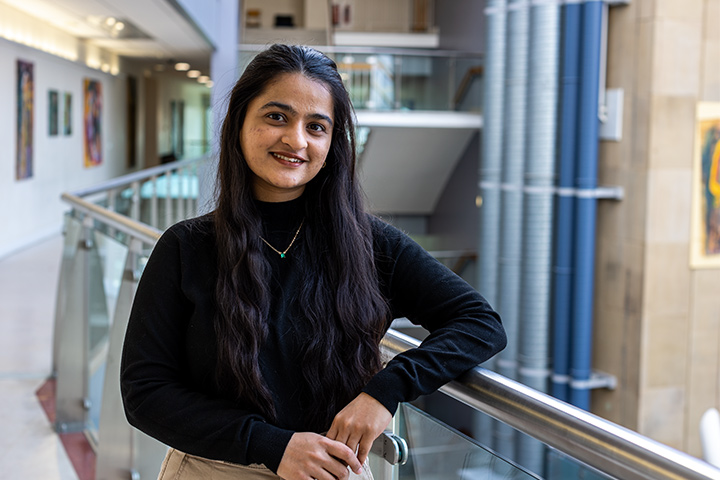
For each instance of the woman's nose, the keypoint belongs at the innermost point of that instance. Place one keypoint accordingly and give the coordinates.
(295, 138)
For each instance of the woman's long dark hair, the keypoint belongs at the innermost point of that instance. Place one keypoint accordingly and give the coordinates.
(341, 298)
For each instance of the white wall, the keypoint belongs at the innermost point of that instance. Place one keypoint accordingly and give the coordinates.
(31, 209)
(205, 14)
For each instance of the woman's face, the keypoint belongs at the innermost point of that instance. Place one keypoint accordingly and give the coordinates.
(286, 136)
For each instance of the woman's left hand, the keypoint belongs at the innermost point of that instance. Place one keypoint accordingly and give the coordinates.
(359, 424)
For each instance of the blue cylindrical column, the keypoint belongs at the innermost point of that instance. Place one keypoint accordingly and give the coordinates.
(585, 215)
(565, 205)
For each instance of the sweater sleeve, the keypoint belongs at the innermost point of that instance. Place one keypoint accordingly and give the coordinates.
(158, 397)
(464, 330)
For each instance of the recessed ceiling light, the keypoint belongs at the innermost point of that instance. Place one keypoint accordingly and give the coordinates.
(203, 79)
(119, 26)
(193, 73)
(182, 67)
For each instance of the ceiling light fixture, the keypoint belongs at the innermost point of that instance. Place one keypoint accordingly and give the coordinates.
(193, 73)
(203, 79)
(182, 67)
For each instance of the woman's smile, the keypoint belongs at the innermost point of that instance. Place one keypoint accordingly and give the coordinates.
(289, 158)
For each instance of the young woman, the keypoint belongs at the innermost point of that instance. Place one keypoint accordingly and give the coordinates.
(253, 344)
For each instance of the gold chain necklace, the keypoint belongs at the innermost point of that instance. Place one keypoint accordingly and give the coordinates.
(282, 254)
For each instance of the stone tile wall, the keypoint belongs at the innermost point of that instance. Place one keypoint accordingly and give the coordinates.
(657, 320)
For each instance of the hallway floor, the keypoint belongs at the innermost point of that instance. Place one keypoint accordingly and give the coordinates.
(29, 447)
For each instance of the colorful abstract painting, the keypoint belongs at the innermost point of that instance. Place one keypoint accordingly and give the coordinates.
(706, 214)
(92, 122)
(67, 114)
(53, 113)
(25, 108)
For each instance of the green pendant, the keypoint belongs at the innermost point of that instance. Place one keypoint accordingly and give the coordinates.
(282, 255)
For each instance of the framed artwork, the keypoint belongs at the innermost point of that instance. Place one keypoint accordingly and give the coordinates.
(705, 237)
(52, 112)
(25, 110)
(67, 114)
(92, 122)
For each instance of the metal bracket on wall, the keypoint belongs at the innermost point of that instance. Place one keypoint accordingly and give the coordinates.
(597, 380)
(611, 115)
(609, 193)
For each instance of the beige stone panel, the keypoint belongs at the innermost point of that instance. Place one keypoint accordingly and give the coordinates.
(704, 366)
(665, 351)
(662, 415)
(672, 131)
(634, 265)
(667, 280)
(669, 205)
(610, 274)
(677, 58)
(690, 11)
(644, 59)
(711, 70)
(633, 207)
(615, 351)
(710, 91)
(645, 9)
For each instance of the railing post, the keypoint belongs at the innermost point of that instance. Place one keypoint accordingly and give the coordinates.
(180, 201)
(69, 248)
(135, 205)
(123, 452)
(169, 216)
(154, 201)
(71, 402)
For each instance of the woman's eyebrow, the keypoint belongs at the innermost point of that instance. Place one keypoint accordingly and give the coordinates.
(287, 108)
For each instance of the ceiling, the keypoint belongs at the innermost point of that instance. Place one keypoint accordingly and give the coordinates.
(155, 29)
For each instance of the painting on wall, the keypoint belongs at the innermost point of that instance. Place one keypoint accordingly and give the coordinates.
(53, 112)
(25, 107)
(705, 248)
(67, 114)
(92, 122)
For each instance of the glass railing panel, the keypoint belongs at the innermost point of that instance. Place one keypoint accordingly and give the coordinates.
(562, 466)
(528, 453)
(106, 266)
(392, 79)
(438, 452)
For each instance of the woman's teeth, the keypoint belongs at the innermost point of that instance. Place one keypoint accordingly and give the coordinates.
(287, 159)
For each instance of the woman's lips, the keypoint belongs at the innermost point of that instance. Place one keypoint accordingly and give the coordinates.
(289, 158)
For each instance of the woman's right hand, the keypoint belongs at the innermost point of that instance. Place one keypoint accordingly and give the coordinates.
(312, 456)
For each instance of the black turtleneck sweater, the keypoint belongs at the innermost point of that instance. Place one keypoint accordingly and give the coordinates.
(168, 366)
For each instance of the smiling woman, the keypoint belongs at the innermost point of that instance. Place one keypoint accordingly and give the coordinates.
(286, 136)
(253, 344)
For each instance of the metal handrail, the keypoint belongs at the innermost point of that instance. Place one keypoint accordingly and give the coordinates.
(121, 223)
(135, 177)
(597, 442)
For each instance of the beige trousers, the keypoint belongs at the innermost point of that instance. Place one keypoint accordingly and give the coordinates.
(182, 466)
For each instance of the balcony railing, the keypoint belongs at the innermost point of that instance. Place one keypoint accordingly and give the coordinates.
(385, 79)
(106, 247)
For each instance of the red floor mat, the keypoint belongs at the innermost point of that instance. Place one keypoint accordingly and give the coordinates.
(77, 447)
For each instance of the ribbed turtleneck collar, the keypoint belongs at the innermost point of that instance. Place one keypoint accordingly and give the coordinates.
(281, 216)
